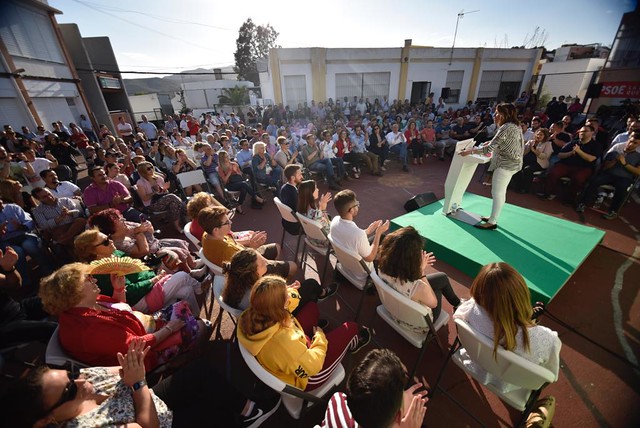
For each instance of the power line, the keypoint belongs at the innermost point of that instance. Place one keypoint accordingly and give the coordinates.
(170, 20)
(188, 73)
(137, 24)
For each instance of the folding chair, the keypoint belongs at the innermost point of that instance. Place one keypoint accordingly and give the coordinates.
(313, 230)
(56, 356)
(295, 400)
(191, 178)
(234, 313)
(610, 189)
(139, 204)
(400, 312)
(188, 234)
(217, 270)
(289, 215)
(349, 263)
(526, 379)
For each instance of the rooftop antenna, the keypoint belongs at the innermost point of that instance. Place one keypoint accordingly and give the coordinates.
(461, 14)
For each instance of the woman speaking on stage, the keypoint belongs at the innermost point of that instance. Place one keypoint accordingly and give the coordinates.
(507, 147)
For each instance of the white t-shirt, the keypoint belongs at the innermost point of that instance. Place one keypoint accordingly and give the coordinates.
(38, 165)
(125, 129)
(350, 236)
(544, 344)
(65, 189)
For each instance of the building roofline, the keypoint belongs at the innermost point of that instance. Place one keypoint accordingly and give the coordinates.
(42, 5)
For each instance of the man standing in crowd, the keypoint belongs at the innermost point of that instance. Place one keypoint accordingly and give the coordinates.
(148, 128)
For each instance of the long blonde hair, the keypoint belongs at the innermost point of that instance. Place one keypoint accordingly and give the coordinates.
(224, 161)
(268, 297)
(501, 291)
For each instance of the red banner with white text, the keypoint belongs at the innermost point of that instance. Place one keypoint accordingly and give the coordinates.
(620, 89)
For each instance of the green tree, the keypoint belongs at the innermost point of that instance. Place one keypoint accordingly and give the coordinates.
(236, 96)
(253, 42)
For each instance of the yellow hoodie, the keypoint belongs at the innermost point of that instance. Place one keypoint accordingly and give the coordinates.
(283, 351)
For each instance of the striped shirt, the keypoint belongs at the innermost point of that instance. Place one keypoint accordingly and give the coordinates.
(338, 414)
(508, 148)
(45, 215)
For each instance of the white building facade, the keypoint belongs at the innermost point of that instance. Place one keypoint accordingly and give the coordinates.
(301, 75)
(38, 84)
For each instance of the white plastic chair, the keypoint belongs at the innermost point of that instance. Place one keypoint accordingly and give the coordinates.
(287, 214)
(526, 377)
(234, 313)
(217, 270)
(56, 356)
(313, 230)
(397, 309)
(188, 234)
(191, 178)
(349, 263)
(295, 400)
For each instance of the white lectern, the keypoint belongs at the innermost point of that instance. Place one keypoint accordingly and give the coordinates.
(458, 179)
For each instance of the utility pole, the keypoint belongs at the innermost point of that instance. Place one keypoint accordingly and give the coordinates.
(460, 15)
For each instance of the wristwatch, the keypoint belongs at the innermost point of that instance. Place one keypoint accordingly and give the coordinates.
(12, 269)
(136, 386)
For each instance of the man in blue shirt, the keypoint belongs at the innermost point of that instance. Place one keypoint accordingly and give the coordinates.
(244, 158)
(359, 140)
(444, 142)
(15, 231)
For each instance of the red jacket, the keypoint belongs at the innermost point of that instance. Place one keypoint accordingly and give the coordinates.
(95, 337)
(341, 145)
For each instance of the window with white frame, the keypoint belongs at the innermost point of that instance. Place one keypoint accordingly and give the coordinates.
(295, 91)
(365, 85)
(454, 83)
(29, 33)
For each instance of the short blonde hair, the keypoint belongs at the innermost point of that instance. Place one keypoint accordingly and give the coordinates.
(257, 145)
(62, 290)
(83, 245)
(198, 202)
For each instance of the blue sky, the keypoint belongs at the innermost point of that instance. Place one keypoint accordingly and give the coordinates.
(152, 35)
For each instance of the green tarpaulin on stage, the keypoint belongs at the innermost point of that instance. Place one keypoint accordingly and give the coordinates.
(546, 250)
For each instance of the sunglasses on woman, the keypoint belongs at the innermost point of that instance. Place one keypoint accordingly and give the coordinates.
(106, 242)
(70, 391)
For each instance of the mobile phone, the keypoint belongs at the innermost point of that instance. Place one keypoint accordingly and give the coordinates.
(143, 218)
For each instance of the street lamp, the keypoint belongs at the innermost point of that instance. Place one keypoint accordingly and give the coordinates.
(460, 15)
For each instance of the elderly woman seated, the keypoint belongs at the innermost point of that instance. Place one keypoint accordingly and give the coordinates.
(147, 291)
(93, 327)
(137, 240)
(120, 396)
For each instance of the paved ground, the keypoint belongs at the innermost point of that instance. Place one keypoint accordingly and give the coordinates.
(596, 315)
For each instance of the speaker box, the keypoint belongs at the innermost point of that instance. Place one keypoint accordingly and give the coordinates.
(444, 93)
(419, 201)
(594, 90)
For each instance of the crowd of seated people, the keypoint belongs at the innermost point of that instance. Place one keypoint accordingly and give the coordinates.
(134, 172)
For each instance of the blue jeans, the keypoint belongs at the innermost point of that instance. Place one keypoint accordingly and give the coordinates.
(323, 165)
(338, 164)
(401, 150)
(28, 245)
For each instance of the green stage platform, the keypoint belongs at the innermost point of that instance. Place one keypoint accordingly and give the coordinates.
(546, 250)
